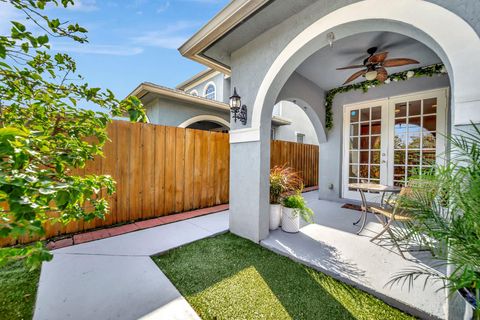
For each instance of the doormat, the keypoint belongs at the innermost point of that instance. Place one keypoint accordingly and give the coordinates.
(352, 206)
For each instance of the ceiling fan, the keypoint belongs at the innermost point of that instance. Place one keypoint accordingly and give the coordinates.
(374, 66)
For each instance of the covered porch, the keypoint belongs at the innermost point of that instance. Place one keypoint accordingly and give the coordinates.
(331, 245)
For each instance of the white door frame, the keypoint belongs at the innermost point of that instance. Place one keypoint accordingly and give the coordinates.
(387, 133)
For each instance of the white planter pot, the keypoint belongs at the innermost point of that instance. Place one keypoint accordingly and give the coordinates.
(290, 220)
(275, 216)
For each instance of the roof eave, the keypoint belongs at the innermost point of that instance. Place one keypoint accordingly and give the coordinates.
(146, 87)
(227, 19)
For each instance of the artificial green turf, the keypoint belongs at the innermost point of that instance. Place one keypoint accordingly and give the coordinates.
(18, 289)
(227, 277)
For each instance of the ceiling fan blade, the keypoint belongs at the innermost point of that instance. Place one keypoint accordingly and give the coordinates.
(355, 76)
(378, 57)
(398, 62)
(352, 67)
(382, 74)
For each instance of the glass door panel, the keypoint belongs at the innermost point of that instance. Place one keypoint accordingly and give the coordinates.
(416, 120)
(364, 154)
(389, 141)
(414, 137)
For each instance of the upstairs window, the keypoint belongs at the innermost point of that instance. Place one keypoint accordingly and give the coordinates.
(300, 137)
(210, 91)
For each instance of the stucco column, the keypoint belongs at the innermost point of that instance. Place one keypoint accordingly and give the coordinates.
(249, 185)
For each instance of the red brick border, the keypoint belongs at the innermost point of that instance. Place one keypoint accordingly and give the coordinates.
(139, 225)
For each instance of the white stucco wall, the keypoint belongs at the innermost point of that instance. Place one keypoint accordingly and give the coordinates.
(300, 123)
(168, 112)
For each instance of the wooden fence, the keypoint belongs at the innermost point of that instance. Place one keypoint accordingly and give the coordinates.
(302, 157)
(164, 170)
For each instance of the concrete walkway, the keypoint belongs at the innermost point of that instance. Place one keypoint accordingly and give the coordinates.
(115, 278)
(332, 246)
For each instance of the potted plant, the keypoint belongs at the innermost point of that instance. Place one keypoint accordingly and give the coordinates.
(294, 208)
(449, 225)
(282, 180)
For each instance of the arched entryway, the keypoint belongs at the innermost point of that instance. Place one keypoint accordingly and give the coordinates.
(206, 122)
(429, 24)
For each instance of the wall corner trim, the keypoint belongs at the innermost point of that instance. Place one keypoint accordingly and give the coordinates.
(244, 135)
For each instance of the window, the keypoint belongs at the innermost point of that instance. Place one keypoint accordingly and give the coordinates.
(194, 93)
(210, 91)
(300, 137)
(273, 134)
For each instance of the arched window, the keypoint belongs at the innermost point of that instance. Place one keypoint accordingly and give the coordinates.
(194, 93)
(210, 91)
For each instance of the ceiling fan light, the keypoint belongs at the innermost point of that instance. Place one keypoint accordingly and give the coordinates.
(371, 75)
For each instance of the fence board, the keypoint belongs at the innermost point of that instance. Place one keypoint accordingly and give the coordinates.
(162, 170)
(303, 158)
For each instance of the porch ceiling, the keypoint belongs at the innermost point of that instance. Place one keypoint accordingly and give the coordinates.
(320, 67)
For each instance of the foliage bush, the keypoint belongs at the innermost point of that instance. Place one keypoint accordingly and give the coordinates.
(44, 132)
(297, 202)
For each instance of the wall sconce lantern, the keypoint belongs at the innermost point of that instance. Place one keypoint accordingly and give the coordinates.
(238, 110)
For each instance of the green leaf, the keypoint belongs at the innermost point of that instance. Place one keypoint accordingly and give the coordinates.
(19, 26)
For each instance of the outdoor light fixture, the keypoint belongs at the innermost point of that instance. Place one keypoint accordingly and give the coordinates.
(238, 110)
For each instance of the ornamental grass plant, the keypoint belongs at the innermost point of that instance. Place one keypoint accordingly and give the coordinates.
(283, 180)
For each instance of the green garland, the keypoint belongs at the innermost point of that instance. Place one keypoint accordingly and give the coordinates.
(427, 71)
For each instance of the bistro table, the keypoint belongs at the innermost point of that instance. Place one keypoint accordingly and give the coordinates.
(372, 187)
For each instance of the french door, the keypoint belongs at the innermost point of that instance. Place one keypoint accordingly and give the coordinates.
(387, 141)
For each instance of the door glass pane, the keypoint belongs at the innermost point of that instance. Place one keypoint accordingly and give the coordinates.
(430, 123)
(375, 157)
(414, 108)
(353, 116)
(376, 127)
(374, 172)
(364, 157)
(399, 157)
(376, 113)
(353, 156)
(364, 171)
(399, 141)
(365, 142)
(376, 142)
(354, 143)
(414, 139)
(365, 114)
(429, 140)
(400, 110)
(414, 124)
(354, 130)
(365, 129)
(353, 171)
(430, 106)
(414, 157)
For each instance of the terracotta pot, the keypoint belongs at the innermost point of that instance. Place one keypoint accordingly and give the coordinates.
(290, 220)
(275, 216)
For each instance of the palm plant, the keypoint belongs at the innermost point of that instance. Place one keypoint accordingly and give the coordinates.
(446, 213)
(283, 180)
